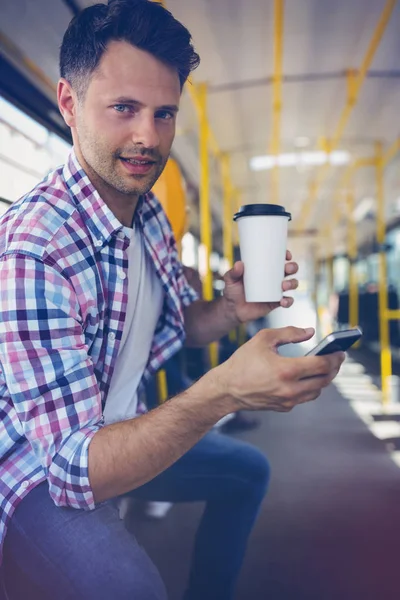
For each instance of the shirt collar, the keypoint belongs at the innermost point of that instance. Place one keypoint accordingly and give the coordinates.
(100, 220)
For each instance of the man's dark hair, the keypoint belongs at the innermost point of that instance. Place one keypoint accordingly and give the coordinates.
(142, 23)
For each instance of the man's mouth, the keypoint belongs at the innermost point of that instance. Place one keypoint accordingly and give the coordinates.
(137, 166)
(138, 161)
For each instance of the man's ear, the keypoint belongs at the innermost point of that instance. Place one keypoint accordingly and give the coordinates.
(67, 102)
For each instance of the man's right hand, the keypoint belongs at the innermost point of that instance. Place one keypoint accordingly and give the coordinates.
(256, 377)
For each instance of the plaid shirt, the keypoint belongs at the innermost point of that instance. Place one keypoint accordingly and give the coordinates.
(63, 297)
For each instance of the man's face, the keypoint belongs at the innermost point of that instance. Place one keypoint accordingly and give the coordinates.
(125, 124)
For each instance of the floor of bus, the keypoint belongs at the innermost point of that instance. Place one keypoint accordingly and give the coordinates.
(329, 528)
(371, 361)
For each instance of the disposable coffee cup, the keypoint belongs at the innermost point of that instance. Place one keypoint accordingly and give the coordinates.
(263, 230)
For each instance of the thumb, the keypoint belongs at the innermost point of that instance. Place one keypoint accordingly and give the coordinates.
(236, 273)
(290, 335)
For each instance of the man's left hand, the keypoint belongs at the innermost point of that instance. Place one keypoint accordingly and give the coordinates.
(243, 311)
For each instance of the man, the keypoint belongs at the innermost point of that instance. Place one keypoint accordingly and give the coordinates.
(92, 302)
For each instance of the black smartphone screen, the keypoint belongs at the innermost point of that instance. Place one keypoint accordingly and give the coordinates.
(338, 341)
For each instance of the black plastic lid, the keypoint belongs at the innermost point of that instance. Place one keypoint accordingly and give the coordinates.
(252, 210)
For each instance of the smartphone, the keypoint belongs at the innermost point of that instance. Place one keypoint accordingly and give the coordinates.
(338, 341)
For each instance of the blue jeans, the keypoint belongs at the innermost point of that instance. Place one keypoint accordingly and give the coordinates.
(85, 555)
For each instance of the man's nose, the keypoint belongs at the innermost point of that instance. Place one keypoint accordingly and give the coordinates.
(145, 132)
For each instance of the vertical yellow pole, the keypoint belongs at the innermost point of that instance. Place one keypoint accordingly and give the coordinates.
(331, 282)
(331, 287)
(386, 356)
(235, 203)
(205, 213)
(352, 255)
(317, 269)
(228, 222)
(162, 387)
(228, 216)
(277, 93)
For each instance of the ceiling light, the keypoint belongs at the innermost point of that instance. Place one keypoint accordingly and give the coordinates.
(286, 160)
(261, 163)
(339, 157)
(298, 159)
(313, 158)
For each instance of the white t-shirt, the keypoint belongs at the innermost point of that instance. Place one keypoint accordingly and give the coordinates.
(145, 301)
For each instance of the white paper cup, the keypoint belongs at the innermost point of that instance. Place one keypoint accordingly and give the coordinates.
(263, 232)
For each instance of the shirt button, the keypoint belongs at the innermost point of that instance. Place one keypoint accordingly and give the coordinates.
(25, 484)
(98, 243)
(122, 275)
(111, 335)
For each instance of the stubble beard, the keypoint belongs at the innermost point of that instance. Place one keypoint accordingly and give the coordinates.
(105, 164)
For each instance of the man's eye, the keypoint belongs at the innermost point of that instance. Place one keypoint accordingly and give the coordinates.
(165, 115)
(121, 108)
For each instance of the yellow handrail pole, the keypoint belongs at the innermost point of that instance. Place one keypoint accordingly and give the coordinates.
(314, 295)
(331, 280)
(205, 212)
(236, 201)
(162, 386)
(355, 81)
(277, 93)
(391, 152)
(386, 355)
(331, 284)
(227, 211)
(328, 242)
(193, 91)
(236, 204)
(393, 314)
(198, 96)
(347, 180)
(205, 220)
(227, 221)
(352, 255)
(325, 240)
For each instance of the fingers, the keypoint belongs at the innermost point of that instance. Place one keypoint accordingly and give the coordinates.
(238, 268)
(236, 273)
(291, 268)
(287, 285)
(290, 284)
(286, 302)
(318, 366)
(287, 335)
(314, 385)
(309, 389)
